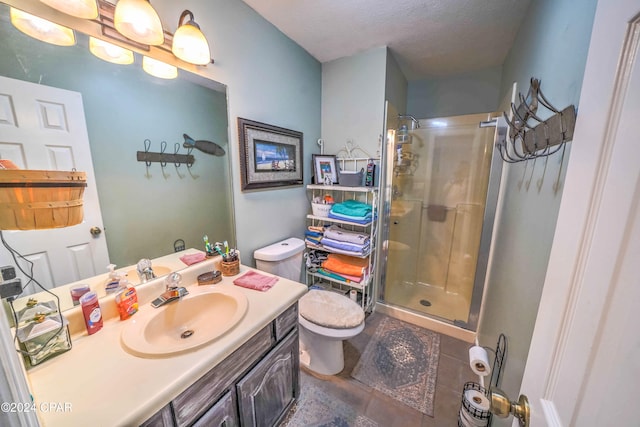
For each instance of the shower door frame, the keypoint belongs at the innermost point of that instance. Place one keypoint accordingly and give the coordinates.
(488, 221)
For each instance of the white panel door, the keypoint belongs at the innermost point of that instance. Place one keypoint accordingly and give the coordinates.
(42, 127)
(584, 362)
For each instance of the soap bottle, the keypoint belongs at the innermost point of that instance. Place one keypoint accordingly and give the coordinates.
(112, 285)
(126, 300)
(91, 312)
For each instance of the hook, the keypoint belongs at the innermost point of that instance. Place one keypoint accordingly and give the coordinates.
(163, 147)
(147, 147)
(176, 148)
(189, 150)
(533, 168)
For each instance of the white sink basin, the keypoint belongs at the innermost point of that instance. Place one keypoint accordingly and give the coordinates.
(179, 326)
(158, 270)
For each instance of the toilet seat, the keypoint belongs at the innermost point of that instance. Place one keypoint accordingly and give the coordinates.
(330, 310)
(330, 332)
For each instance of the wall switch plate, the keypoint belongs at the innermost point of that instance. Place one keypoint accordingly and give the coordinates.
(8, 272)
(10, 288)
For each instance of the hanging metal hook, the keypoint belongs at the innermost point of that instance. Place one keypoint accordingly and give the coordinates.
(176, 148)
(147, 147)
(163, 148)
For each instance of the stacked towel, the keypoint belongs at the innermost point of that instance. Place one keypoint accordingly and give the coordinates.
(313, 235)
(352, 211)
(336, 239)
(336, 233)
(344, 267)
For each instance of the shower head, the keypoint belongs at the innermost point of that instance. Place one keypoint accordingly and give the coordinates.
(413, 123)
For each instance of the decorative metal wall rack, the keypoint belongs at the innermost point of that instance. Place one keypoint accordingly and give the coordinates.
(531, 137)
(162, 157)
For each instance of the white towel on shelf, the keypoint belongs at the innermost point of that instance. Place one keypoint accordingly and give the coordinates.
(336, 233)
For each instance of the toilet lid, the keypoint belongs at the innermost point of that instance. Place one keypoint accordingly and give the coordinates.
(329, 309)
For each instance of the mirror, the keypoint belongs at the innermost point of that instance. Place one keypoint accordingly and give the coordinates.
(145, 209)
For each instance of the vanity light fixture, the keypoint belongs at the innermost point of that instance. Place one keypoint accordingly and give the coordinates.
(110, 52)
(189, 43)
(158, 68)
(42, 29)
(138, 20)
(85, 9)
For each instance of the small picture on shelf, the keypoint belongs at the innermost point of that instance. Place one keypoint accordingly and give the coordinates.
(324, 169)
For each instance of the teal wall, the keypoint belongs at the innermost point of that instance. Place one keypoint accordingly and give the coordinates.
(552, 46)
(269, 79)
(396, 86)
(468, 93)
(143, 214)
(353, 95)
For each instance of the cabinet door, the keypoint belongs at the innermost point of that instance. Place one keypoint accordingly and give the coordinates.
(222, 414)
(162, 418)
(195, 400)
(268, 390)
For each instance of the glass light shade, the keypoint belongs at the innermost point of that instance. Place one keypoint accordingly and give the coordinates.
(158, 68)
(42, 29)
(190, 45)
(85, 9)
(110, 52)
(138, 21)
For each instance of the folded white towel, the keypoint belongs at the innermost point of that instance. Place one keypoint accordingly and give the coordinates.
(336, 233)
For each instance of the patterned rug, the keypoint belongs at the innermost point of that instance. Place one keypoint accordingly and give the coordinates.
(401, 361)
(315, 408)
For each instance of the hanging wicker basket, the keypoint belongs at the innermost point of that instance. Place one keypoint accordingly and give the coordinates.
(39, 199)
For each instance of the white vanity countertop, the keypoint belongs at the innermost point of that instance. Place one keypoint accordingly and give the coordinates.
(98, 383)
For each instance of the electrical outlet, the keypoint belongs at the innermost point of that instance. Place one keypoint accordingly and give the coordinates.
(8, 272)
(10, 288)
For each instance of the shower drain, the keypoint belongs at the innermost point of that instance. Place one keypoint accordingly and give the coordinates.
(425, 302)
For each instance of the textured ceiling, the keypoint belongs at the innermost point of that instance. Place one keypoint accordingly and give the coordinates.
(428, 38)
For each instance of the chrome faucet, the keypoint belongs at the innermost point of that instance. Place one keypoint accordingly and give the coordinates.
(173, 291)
(145, 272)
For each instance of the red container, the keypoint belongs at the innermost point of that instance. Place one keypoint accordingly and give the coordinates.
(91, 312)
(77, 292)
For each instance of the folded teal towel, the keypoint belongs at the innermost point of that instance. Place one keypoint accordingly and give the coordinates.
(352, 208)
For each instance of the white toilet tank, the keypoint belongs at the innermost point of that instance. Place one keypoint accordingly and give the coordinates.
(283, 258)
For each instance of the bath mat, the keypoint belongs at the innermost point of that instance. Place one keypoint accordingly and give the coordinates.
(401, 361)
(319, 409)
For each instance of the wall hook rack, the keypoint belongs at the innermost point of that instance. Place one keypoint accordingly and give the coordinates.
(163, 158)
(530, 136)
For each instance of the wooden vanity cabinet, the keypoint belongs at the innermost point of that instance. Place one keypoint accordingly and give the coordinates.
(254, 386)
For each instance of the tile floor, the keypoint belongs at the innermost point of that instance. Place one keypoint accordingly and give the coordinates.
(453, 372)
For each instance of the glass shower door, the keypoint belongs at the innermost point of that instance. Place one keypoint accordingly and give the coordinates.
(438, 193)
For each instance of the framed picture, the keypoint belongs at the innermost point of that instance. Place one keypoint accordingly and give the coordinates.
(324, 169)
(270, 156)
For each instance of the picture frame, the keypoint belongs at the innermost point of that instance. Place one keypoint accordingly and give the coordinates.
(325, 165)
(270, 156)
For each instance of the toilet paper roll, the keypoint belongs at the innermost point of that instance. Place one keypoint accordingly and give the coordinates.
(477, 400)
(479, 361)
(469, 420)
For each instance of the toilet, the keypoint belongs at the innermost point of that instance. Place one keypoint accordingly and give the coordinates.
(325, 318)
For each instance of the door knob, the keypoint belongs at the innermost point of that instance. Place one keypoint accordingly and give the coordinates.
(95, 231)
(501, 406)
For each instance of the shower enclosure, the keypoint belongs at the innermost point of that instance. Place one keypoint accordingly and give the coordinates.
(441, 186)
